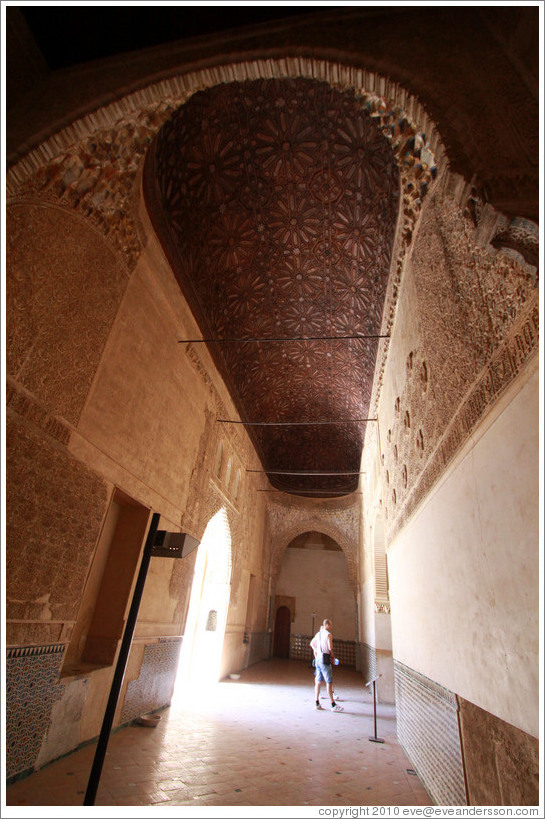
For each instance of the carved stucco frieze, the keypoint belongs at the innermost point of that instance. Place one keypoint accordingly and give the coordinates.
(478, 322)
(520, 236)
(65, 164)
(507, 363)
(195, 516)
(235, 437)
(236, 446)
(27, 407)
(197, 363)
(511, 236)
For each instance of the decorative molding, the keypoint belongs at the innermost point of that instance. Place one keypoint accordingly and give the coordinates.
(17, 652)
(288, 602)
(153, 104)
(235, 437)
(197, 363)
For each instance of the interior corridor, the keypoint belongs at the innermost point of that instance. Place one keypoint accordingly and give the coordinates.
(253, 741)
(273, 355)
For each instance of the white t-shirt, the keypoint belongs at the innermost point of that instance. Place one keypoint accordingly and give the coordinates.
(321, 641)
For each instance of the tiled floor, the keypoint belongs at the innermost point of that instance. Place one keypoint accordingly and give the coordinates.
(256, 741)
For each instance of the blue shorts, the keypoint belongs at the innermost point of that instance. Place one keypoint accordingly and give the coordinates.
(324, 673)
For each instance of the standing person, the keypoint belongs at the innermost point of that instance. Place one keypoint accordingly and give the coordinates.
(322, 646)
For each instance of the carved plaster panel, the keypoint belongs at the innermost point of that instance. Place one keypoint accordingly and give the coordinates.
(478, 321)
(97, 177)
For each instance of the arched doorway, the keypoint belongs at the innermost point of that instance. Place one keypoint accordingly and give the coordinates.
(204, 633)
(282, 625)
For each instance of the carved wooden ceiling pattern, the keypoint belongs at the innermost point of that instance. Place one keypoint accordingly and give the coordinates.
(276, 201)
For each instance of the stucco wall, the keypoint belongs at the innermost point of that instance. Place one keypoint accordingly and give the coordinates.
(67, 287)
(101, 394)
(367, 613)
(319, 582)
(464, 571)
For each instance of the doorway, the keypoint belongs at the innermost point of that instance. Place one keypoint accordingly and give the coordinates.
(282, 625)
(202, 646)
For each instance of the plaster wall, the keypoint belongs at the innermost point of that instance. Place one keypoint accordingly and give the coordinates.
(367, 633)
(151, 410)
(145, 408)
(377, 634)
(385, 670)
(319, 582)
(102, 395)
(463, 571)
(248, 559)
(383, 631)
(234, 653)
(159, 603)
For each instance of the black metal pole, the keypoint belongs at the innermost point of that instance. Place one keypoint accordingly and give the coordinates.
(278, 338)
(375, 706)
(294, 423)
(304, 473)
(102, 744)
(375, 738)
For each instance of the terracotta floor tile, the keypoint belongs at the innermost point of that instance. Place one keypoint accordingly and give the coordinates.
(257, 741)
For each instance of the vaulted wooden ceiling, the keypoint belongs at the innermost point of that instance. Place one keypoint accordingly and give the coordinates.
(276, 202)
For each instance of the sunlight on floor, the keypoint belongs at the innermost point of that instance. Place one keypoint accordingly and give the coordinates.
(242, 744)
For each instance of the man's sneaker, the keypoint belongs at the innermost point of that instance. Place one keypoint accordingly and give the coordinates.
(337, 708)
(318, 707)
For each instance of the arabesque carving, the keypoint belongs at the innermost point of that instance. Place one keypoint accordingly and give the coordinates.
(478, 315)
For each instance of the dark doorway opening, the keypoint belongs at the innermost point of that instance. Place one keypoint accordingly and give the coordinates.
(282, 625)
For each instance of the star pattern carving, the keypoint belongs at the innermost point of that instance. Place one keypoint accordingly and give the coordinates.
(279, 201)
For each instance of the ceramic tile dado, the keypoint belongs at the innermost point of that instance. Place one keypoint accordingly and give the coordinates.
(255, 741)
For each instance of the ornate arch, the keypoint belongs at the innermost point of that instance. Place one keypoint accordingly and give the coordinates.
(155, 102)
(93, 164)
(341, 523)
